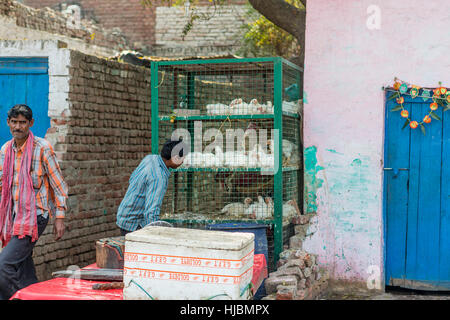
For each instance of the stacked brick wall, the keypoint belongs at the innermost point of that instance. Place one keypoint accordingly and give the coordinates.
(299, 275)
(216, 36)
(99, 142)
(53, 22)
(157, 30)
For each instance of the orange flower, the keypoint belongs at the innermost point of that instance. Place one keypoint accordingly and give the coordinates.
(397, 85)
(413, 124)
(400, 100)
(434, 106)
(448, 98)
(443, 90)
(427, 119)
(404, 113)
(437, 91)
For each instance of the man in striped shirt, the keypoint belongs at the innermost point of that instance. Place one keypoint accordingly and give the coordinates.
(147, 186)
(50, 193)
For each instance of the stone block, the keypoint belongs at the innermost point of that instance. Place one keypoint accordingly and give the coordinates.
(272, 283)
(286, 292)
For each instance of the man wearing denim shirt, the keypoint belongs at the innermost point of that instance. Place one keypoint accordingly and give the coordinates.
(148, 184)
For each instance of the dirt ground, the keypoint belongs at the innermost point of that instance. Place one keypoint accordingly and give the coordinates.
(390, 294)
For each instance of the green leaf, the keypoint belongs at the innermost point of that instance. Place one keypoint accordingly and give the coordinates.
(422, 128)
(397, 108)
(394, 95)
(440, 102)
(406, 124)
(434, 115)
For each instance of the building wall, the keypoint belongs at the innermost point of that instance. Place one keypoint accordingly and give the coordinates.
(216, 36)
(157, 30)
(130, 16)
(100, 130)
(346, 66)
(19, 22)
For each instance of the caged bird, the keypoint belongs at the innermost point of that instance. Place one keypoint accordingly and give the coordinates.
(238, 106)
(289, 210)
(260, 210)
(217, 109)
(237, 209)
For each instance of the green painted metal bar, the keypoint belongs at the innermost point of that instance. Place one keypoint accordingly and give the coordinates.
(292, 65)
(278, 179)
(211, 221)
(224, 169)
(212, 61)
(190, 105)
(231, 117)
(154, 101)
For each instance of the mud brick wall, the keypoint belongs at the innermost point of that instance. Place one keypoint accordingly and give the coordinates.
(99, 141)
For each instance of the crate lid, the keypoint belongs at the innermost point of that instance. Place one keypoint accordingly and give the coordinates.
(209, 239)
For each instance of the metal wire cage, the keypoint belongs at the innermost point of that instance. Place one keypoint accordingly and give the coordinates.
(241, 119)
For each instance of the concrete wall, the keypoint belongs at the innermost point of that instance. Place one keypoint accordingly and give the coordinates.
(353, 49)
(216, 36)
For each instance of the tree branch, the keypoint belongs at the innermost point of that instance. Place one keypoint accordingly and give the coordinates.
(284, 15)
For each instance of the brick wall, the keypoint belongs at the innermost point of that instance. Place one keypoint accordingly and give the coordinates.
(18, 22)
(158, 30)
(135, 21)
(219, 35)
(99, 141)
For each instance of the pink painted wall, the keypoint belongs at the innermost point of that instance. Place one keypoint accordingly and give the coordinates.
(346, 66)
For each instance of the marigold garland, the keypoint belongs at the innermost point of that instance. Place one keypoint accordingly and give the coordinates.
(440, 97)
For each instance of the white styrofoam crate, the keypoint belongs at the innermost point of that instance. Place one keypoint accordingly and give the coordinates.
(187, 264)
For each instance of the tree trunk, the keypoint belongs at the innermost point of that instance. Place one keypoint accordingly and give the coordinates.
(287, 17)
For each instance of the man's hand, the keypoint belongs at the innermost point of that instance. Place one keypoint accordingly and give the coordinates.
(58, 228)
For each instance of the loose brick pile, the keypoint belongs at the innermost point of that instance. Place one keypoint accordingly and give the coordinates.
(298, 275)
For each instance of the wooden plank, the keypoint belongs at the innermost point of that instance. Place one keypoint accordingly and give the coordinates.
(91, 274)
(37, 88)
(444, 243)
(422, 262)
(109, 252)
(396, 192)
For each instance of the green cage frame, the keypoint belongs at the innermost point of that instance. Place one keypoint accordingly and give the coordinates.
(188, 67)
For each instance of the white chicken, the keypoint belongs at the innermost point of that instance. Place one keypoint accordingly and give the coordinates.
(236, 209)
(197, 159)
(238, 106)
(289, 211)
(254, 107)
(219, 157)
(209, 160)
(217, 109)
(259, 210)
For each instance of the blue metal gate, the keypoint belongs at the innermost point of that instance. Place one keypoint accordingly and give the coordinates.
(417, 199)
(24, 80)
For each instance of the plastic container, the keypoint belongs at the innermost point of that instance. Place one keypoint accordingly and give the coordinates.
(187, 264)
(259, 230)
(261, 246)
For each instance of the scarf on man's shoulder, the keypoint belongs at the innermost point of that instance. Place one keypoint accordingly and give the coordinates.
(25, 221)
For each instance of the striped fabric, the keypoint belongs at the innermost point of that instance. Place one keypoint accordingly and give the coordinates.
(142, 202)
(48, 183)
